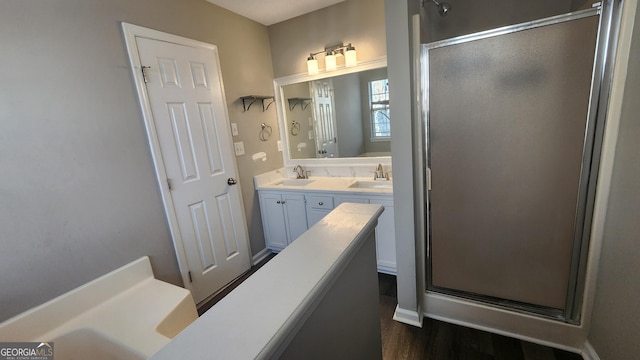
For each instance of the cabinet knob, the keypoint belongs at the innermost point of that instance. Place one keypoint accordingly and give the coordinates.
(283, 201)
(320, 203)
(278, 202)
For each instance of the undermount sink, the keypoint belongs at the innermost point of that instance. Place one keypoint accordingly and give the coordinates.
(294, 182)
(372, 185)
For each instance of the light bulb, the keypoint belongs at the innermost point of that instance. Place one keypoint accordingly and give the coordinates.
(312, 65)
(330, 61)
(350, 56)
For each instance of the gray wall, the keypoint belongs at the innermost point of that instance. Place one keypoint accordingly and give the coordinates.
(615, 327)
(300, 90)
(469, 16)
(360, 22)
(78, 193)
(346, 322)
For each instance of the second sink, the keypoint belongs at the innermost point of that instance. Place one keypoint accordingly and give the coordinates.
(372, 184)
(294, 182)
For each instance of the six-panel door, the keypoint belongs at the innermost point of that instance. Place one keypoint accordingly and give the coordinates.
(189, 123)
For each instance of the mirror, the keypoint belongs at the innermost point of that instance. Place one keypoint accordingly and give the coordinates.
(338, 115)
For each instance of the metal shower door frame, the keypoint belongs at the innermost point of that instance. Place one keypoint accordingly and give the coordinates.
(609, 12)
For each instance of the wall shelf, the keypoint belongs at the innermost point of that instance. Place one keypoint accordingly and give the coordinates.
(304, 103)
(248, 100)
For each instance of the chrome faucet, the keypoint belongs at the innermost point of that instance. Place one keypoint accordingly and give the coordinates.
(300, 173)
(379, 174)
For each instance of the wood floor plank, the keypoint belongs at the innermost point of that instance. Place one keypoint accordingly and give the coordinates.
(442, 347)
(566, 355)
(506, 348)
(474, 341)
(533, 351)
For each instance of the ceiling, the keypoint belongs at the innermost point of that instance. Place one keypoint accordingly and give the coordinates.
(268, 12)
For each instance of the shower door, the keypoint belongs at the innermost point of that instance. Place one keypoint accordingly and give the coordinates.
(509, 135)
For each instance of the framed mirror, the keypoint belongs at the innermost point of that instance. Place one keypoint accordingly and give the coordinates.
(337, 117)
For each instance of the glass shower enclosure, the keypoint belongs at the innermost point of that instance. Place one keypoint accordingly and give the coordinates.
(513, 121)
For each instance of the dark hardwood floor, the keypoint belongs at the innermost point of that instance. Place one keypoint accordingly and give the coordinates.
(436, 340)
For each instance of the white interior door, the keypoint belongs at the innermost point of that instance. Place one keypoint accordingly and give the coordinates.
(325, 118)
(189, 118)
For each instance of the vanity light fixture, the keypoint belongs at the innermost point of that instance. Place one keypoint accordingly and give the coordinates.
(330, 59)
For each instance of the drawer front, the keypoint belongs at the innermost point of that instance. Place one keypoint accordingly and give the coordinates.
(320, 202)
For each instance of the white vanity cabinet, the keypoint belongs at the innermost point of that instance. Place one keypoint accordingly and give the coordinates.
(283, 217)
(385, 231)
(385, 236)
(287, 214)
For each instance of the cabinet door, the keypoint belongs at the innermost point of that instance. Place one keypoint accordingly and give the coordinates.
(351, 199)
(386, 237)
(318, 206)
(296, 215)
(273, 221)
(315, 215)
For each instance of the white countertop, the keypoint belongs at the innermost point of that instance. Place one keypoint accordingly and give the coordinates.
(326, 184)
(256, 316)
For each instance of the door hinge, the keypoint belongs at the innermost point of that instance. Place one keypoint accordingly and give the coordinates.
(428, 179)
(190, 278)
(144, 73)
(170, 184)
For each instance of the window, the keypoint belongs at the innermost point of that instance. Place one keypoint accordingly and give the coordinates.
(379, 106)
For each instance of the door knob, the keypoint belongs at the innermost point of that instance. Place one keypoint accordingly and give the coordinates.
(232, 181)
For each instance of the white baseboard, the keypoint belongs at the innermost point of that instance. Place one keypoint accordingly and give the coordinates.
(260, 256)
(389, 270)
(410, 317)
(589, 353)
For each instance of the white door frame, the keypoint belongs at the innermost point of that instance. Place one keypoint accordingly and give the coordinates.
(131, 32)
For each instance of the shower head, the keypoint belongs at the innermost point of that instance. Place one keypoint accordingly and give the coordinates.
(443, 7)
